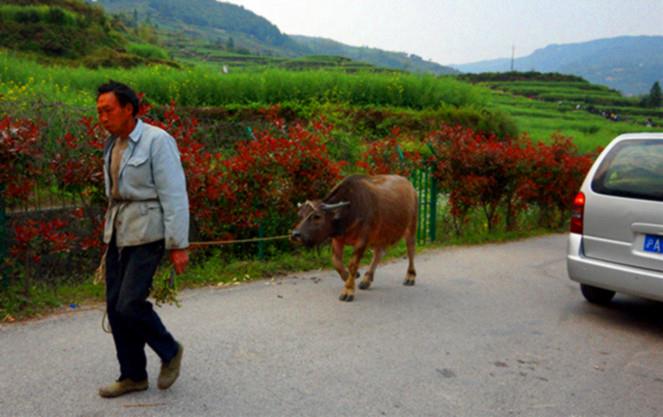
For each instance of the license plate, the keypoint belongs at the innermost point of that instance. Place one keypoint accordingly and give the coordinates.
(653, 244)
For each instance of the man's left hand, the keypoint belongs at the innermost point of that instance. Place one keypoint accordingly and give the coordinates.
(180, 259)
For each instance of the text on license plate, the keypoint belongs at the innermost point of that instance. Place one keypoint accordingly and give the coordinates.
(653, 244)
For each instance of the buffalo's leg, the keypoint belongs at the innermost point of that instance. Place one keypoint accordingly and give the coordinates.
(337, 259)
(410, 240)
(348, 293)
(368, 276)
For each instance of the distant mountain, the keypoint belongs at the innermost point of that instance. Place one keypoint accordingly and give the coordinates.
(378, 57)
(630, 64)
(207, 19)
(228, 24)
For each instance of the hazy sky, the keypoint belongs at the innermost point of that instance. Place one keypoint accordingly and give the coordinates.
(461, 31)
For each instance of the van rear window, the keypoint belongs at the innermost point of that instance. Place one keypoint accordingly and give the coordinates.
(632, 169)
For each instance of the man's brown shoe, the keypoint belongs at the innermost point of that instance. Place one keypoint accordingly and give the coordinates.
(121, 387)
(170, 370)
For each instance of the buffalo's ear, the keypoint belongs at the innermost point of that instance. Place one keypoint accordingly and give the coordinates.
(337, 227)
(338, 221)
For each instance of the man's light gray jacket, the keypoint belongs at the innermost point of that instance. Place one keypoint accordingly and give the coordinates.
(151, 182)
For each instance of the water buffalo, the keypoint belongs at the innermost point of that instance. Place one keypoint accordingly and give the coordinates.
(361, 211)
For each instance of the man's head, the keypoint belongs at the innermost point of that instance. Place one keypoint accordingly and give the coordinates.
(117, 106)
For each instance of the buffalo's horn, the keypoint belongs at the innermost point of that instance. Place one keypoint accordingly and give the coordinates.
(305, 203)
(326, 206)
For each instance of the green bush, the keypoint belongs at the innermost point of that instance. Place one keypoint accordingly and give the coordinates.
(63, 29)
(34, 14)
(109, 58)
(147, 51)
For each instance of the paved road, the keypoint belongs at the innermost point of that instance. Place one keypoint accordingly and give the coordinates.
(495, 330)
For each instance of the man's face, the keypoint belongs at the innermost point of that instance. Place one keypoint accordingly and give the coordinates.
(115, 118)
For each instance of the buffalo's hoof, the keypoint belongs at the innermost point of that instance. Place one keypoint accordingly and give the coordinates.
(346, 297)
(408, 282)
(364, 285)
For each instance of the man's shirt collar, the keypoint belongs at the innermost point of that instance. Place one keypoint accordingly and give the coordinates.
(138, 130)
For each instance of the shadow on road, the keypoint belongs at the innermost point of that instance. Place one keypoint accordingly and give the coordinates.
(627, 313)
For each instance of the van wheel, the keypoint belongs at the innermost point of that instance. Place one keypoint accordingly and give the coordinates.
(596, 295)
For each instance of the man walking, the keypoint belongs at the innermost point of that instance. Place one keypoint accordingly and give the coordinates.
(148, 214)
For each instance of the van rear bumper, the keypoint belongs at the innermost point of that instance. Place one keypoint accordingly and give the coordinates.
(611, 276)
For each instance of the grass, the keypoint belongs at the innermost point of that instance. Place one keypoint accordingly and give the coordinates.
(201, 86)
(541, 119)
(573, 108)
(46, 299)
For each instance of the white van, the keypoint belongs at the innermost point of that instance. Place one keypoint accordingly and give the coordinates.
(616, 239)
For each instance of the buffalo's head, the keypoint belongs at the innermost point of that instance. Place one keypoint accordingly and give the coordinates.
(316, 222)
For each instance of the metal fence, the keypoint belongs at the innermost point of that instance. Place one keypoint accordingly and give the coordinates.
(43, 205)
(427, 194)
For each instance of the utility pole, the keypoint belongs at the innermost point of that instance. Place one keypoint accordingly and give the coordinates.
(513, 54)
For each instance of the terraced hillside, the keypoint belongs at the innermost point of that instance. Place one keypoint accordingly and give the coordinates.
(545, 103)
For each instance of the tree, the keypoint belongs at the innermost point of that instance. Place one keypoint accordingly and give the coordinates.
(655, 98)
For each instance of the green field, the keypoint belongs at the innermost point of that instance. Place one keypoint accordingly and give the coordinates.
(540, 119)
(201, 85)
(204, 85)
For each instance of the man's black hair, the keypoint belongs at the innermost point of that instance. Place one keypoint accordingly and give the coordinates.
(125, 95)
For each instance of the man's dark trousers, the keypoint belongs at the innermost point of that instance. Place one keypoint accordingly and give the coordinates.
(133, 321)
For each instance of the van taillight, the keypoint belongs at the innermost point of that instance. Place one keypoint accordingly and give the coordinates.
(577, 213)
